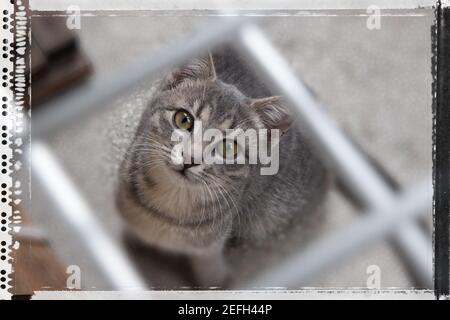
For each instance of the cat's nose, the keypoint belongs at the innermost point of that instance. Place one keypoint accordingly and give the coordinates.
(190, 165)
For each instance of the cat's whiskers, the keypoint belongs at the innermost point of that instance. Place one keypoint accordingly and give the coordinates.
(218, 203)
(202, 211)
(220, 190)
(212, 200)
(213, 179)
(152, 161)
(161, 149)
(230, 197)
(150, 141)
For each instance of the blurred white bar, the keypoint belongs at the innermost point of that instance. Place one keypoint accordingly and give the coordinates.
(324, 135)
(301, 268)
(334, 148)
(79, 224)
(94, 96)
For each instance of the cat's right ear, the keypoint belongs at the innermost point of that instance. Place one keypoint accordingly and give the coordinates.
(273, 113)
(199, 69)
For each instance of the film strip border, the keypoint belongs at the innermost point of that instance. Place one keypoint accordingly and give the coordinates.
(14, 96)
(441, 152)
(7, 66)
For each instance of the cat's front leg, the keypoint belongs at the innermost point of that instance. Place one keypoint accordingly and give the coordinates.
(210, 270)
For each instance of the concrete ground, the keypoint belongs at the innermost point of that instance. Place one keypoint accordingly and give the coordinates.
(375, 83)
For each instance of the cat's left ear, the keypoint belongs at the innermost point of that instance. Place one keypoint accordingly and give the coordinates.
(273, 113)
(199, 69)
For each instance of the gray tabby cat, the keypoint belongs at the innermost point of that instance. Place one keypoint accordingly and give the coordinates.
(199, 210)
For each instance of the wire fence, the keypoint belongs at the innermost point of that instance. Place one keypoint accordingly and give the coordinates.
(385, 214)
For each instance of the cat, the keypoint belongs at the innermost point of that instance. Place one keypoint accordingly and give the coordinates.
(199, 210)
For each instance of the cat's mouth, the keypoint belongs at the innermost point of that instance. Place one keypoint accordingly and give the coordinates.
(188, 172)
(184, 172)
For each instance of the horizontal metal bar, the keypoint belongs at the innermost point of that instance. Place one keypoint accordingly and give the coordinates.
(93, 96)
(75, 222)
(334, 148)
(301, 268)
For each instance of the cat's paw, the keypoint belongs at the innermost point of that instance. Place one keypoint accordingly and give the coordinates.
(210, 272)
(213, 281)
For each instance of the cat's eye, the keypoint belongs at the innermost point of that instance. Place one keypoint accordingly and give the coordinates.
(183, 120)
(228, 149)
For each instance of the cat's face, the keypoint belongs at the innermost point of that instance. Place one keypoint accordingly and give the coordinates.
(191, 102)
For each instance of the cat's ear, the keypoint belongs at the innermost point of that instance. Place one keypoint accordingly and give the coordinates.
(199, 69)
(273, 113)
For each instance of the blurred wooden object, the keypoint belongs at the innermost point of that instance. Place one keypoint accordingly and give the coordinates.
(36, 267)
(57, 62)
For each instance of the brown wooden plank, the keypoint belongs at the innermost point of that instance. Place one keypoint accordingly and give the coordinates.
(36, 266)
(52, 34)
(59, 75)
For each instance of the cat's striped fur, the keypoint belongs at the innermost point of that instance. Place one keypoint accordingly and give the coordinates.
(199, 213)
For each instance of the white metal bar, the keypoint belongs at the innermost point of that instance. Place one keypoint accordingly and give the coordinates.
(335, 149)
(76, 221)
(324, 134)
(93, 96)
(300, 268)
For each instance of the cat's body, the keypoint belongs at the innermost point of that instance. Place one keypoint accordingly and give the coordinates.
(200, 211)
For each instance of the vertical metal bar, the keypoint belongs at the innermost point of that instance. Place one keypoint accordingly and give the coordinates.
(333, 146)
(74, 219)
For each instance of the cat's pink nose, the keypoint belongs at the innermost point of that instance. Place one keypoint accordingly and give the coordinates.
(189, 165)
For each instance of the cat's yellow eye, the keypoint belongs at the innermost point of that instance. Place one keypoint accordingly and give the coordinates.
(228, 149)
(183, 120)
